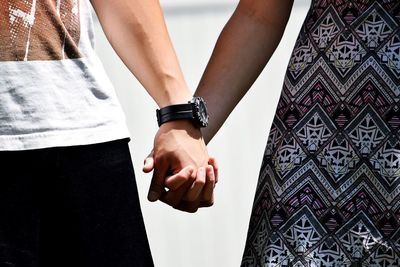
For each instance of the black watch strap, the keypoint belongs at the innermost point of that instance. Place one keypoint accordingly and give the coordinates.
(174, 112)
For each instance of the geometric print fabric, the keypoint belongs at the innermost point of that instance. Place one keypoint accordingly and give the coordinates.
(329, 187)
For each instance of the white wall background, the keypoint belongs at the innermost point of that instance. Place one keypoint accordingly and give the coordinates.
(213, 237)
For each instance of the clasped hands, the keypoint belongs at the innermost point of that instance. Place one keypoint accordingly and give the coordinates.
(184, 175)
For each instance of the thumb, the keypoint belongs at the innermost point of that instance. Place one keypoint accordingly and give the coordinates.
(148, 164)
(157, 187)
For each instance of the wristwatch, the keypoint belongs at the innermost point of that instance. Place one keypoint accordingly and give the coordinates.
(195, 110)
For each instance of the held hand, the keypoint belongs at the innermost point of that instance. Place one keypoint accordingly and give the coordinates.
(183, 193)
(181, 164)
(177, 145)
(189, 196)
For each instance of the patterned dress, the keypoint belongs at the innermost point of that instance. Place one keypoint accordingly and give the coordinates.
(329, 186)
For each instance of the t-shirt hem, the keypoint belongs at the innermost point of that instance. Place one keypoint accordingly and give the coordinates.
(63, 138)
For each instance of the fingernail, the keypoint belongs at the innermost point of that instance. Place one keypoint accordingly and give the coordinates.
(153, 196)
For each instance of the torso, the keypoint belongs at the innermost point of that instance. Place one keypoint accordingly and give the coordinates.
(53, 88)
(329, 188)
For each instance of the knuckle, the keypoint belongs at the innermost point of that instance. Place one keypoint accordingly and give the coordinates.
(192, 210)
(174, 204)
(190, 198)
(172, 187)
(157, 157)
(186, 177)
(160, 157)
(209, 203)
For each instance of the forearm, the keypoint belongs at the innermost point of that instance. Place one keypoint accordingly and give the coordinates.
(137, 32)
(242, 51)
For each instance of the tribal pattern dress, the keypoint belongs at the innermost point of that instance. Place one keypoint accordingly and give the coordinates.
(329, 186)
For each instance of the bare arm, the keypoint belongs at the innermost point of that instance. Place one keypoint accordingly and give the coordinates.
(243, 49)
(136, 29)
(137, 32)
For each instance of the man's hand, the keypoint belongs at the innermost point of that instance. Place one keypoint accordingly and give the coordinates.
(182, 175)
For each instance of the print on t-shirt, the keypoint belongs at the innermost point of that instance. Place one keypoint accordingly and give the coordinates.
(39, 30)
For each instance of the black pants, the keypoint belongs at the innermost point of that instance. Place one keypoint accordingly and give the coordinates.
(71, 206)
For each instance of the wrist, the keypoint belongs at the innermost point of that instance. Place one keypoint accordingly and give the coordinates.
(174, 100)
(174, 95)
(194, 110)
(182, 125)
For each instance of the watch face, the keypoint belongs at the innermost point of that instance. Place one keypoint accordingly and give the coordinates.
(200, 111)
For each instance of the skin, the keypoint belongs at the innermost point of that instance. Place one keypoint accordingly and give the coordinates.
(244, 47)
(136, 30)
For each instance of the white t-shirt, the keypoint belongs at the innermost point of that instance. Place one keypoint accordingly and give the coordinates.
(53, 88)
